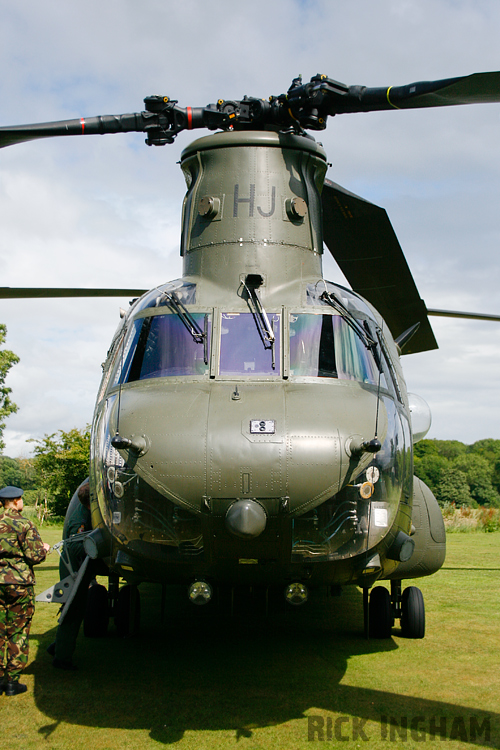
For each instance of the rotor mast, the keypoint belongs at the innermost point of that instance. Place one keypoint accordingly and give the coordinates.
(253, 206)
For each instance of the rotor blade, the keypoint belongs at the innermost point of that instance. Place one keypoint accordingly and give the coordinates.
(473, 89)
(464, 315)
(360, 237)
(84, 126)
(8, 292)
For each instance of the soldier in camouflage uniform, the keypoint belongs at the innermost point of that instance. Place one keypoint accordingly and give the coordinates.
(20, 549)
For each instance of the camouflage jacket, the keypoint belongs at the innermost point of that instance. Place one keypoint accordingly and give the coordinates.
(20, 548)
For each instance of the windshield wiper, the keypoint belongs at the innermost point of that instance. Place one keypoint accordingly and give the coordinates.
(266, 332)
(199, 336)
(349, 318)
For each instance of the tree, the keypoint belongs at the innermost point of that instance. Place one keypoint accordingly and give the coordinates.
(429, 468)
(454, 488)
(451, 449)
(490, 449)
(61, 464)
(479, 472)
(7, 359)
(18, 472)
(425, 447)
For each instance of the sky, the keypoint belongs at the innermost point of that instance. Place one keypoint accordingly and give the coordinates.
(104, 211)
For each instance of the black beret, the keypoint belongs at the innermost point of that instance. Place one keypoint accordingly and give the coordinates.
(11, 493)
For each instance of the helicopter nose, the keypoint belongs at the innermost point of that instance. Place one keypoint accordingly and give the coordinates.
(246, 519)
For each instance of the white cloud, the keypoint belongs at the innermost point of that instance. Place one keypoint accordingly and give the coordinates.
(104, 211)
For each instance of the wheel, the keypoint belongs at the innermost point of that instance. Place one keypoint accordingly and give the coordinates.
(128, 611)
(96, 618)
(380, 613)
(412, 613)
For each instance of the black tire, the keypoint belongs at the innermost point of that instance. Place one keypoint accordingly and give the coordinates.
(380, 613)
(96, 618)
(412, 613)
(128, 611)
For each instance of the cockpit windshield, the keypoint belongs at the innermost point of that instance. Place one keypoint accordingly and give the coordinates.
(161, 346)
(325, 346)
(244, 350)
(322, 345)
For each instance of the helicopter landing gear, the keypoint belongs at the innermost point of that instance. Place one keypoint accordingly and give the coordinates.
(380, 617)
(409, 607)
(96, 618)
(381, 608)
(412, 613)
(127, 611)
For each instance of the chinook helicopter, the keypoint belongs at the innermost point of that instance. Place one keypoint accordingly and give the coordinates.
(252, 427)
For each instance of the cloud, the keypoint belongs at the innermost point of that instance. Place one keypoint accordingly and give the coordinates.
(105, 211)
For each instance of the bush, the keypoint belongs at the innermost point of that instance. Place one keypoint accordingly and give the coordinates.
(463, 519)
(61, 464)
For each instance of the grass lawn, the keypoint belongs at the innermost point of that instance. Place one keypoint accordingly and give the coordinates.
(209, 680)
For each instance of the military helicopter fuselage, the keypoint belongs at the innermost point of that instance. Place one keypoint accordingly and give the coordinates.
(252, 425)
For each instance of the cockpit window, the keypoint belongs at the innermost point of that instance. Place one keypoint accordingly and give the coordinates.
(325, 346)
(244, 350)
(161, 346)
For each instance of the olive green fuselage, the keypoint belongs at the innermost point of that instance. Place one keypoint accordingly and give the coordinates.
(246, 395)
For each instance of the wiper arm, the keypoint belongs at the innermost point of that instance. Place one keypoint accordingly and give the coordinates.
(349, 318)
(199, 336)
(261, 319)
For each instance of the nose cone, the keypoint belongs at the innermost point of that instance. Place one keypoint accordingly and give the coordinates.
(246, 519)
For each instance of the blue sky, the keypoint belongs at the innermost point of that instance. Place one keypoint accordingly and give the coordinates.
(105, 211)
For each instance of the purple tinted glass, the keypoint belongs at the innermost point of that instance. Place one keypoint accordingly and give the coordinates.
(164, 347)
(243, 351)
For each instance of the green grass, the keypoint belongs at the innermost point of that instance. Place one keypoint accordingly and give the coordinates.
(206, 680)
